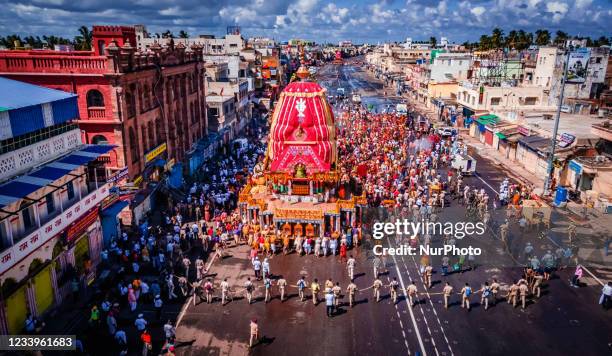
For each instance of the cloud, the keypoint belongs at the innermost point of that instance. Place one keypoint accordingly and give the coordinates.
(478, 10)
(331, 20)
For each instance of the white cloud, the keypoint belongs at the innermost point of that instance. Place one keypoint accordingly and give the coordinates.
(581, 4)
(478, 10)
(171, 11)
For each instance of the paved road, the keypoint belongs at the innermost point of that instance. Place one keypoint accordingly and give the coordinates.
(564, 321)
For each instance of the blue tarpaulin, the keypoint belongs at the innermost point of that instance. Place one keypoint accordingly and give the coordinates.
(25, 108)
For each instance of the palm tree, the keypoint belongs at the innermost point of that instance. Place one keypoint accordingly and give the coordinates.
(602, 41)
(542, 37)
(560, 37)
(83, 41)
(168, 34)
(512, 39)
(183, 34)
(433, 41)
(484, 43)
(497, 37)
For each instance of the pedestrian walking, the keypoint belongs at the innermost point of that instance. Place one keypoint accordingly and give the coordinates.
(169, 330)
(329, 303)
(257, 268)
(494, 290)
(268, 289)
(485, 295)
(254, 332)
(351, 289)
(412, 293)
(376, 286)
(577, 275)
(393, 287)
(376, 263)
(606, 296)
(208, 290)
(281, 283)
(248, 286)
(350, 265)
(224, 291)
(523, 290)
(147, 345)
(466, 292)
(315, 288)
(336, 290)
(140, 323)
(158, 305)
(447, 291)
(301, 284)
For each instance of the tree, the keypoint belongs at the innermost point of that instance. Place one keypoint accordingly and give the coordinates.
(497, 38)
(433, 41)
(183, 34)
(83, 40)
(168, 34)
(11, 41)
(512, 39)
(560, 37)
(542, 37)
(602, 41)
(484, 43)
(523, 40)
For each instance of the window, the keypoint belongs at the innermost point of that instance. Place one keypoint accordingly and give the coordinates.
(133, 145)
(145, 144)
(94, 98)
(99, 140)
(70, 190)
(213, 111)
(598, 60)
(495, 101)
(4, 239)
(49, 199)
(151, 134)
(531, 101)
(101, 46)
(26, 215)
(130, 102)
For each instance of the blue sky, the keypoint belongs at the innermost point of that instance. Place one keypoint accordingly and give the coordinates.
(322, 21)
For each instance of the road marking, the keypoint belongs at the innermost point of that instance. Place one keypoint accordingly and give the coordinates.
(416, 328)
(487, 184)
(400, 321)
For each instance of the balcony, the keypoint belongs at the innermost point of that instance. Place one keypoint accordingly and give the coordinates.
(52, 227)
(96, 113)
(603, 130)
(22, 159)
(52, 62)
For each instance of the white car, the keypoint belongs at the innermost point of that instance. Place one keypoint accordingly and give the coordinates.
(356, 98)
(446, 131)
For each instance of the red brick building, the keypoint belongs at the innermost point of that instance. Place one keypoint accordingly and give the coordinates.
(138, 101)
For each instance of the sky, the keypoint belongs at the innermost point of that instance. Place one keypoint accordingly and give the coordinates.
(318, 20)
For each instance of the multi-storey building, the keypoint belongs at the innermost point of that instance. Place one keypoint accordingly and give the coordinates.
(51, 187)
(231, 43)
(149, 104)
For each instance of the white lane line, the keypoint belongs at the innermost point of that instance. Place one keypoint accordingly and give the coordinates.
(434, 311)
(485, 182)
(400, 321)
(416, 328)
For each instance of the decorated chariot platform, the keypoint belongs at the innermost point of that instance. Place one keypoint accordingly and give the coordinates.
(297, 188)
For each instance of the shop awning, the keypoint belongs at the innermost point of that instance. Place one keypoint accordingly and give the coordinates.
(534, 143)
(487, 119)
(500, 135)
(24, 185)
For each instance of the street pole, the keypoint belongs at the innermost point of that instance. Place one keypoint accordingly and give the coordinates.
(553, 142)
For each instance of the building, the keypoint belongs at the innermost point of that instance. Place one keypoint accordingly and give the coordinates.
(149, 104)
(448, 67)
(51, 189)
(231, 43)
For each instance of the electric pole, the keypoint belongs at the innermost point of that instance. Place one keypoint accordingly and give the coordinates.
(553, 141)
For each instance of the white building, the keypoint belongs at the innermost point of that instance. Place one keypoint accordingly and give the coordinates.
(229, 44)
(448, 67)
(51, 189)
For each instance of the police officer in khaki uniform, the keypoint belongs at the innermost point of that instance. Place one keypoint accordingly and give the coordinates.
(377, 285)
(427, 274)
(537, 284)
(512, 294)
(351, 289)
(412, 293)
(447, 292)
(282, 284)
(494, 290)
(393, 286)
(315, 288)
(523, 290)
(336, 290)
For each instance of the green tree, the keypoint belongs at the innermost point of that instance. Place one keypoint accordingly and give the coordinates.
(433, 41)
(542, 37)
(168, 34)
(560, 37)
(83, 40)
(602, 41)
(512, 39)
(183, 34)
(484, 43)
(497, 38)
